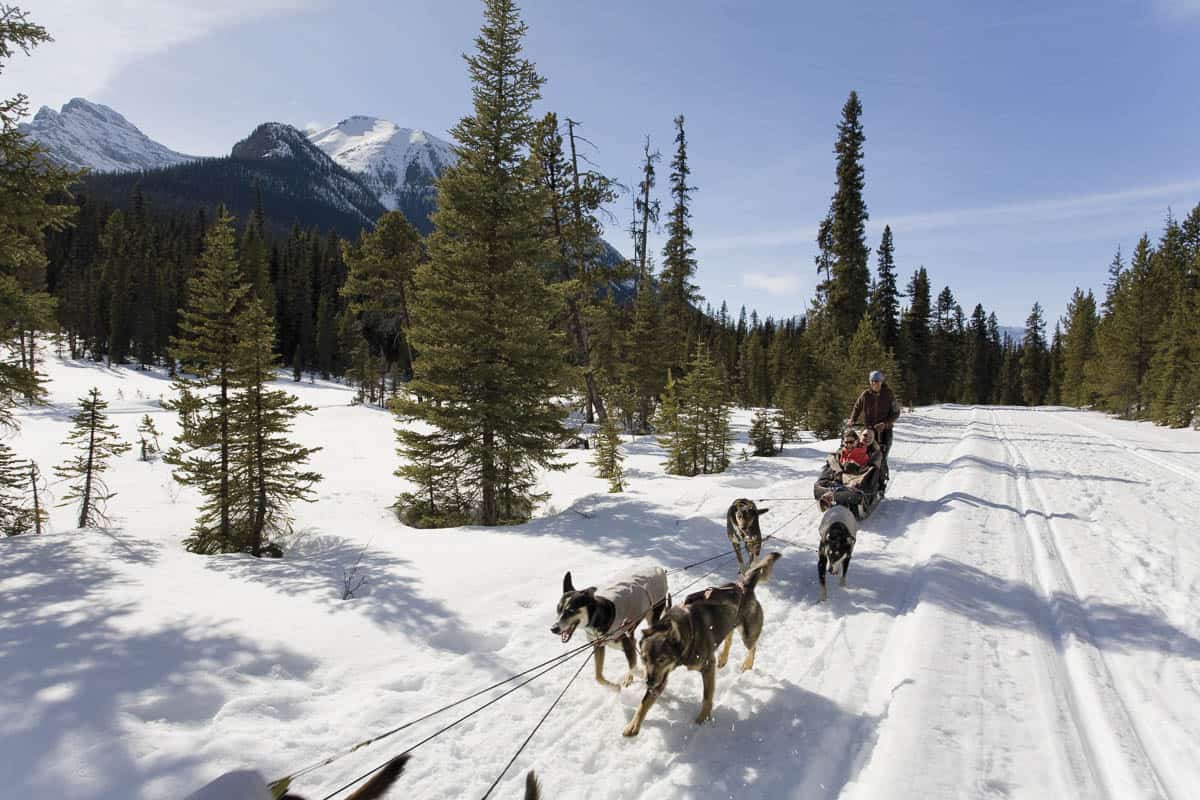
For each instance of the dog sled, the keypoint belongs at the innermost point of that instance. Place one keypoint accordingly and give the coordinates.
(852, 478)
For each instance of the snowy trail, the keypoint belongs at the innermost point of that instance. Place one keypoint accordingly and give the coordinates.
(1019, 622)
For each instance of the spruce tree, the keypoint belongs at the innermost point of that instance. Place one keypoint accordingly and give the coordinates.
(885, 300)
(15, 515)
(267, 475)
(674, 430)
(915, 341)
(491, 365)
(679, 255)
(865, 355)
(40, 517)
(608, 454)
(849, 273)
(704, 414)
(1035, 373)
(97, 441)
(978, 359)
(379, 286)
(31, 192)
(761, 435)
(1079, 349)
(204, 350)
(148, 438)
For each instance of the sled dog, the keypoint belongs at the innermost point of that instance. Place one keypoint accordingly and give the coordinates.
(839, 527)
(741, 526)
(688, 636)
(642, 595)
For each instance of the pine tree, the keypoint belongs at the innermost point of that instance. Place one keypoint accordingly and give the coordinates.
(848, 216)
(148, 438)
(761, 435)
(786, 420)
(1035, 373)
(978, 360)
(15, 516)
(205, 350)
(98, 441)
(30, 205)
(40, 517)
(673, 427)
(1079, 349)
(915, 341)
(490, 363)
(679, 255)
(608, 454)
(865, 355)
(885, 299)
(379, 288)
(1055, 369)
(267, 475)
(704, 411)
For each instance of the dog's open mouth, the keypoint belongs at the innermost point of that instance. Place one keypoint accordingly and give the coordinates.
(566, 634)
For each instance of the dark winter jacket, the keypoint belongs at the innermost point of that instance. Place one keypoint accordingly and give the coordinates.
(876, 407)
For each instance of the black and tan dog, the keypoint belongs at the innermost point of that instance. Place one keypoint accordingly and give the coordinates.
(615, 611)
(839, 529)
(688, 636)
(741, 526)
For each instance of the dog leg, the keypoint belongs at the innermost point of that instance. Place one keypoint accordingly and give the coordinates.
(821, 575)
(598, 658)
(709, 674)
(630, 657)
(635, 725)
(725, 651)
(845, 569)
(737, 551)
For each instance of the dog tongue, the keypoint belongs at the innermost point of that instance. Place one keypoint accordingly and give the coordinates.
(566, 635)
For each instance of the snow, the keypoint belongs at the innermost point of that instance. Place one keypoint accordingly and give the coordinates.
(393, 161)
(86, 134)
(1019, 622)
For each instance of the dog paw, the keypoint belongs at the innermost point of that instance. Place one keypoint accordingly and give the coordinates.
(703, 717)
(631, 730)
(748, 665)
(627, 680)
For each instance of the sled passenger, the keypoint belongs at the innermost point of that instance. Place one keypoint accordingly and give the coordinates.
(850, 459)
(878, 409)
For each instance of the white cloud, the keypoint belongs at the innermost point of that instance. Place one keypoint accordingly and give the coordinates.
(1178, 8)
(95, 39)
(779, 284)
(1022, 215)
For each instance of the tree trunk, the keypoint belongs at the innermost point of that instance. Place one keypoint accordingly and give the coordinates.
(85, 506)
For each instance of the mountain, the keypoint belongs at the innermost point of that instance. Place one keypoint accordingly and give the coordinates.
(298, 184)
(400, 165)
(86, 134)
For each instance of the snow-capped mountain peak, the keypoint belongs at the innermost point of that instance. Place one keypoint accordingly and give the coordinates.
(399, 164)
(87, 134)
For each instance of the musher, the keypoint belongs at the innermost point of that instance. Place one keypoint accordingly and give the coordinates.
(879, 410)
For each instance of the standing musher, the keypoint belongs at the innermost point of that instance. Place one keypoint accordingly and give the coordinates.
(879, 410)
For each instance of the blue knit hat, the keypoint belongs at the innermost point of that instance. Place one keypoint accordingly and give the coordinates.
(876, 376)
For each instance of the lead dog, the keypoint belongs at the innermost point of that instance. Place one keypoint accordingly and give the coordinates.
(741, 526)
(616, 610)
(839, 528)
(688, 636)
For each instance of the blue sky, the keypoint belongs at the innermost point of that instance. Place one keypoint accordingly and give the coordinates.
(1011, 146)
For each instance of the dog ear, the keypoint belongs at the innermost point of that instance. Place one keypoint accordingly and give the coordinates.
(676, 631)
(708, 593)
(762, 511)
(567, 585)
(590, 591)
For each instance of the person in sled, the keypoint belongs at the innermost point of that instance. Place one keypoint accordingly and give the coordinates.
(847, 474)
(878, 408)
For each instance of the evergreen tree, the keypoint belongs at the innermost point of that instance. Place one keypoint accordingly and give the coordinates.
(148, 438)
(1055, 369)
(1079, 349)
(40, 517)
(978, 360)
(864, 355)
(15, 516)
(915, 341)
(379, 286)
(608, 454)
(679, 261)
(761, 435)
(29, 190)
(885, 299)
(97, 441)
(490, 363)
(1035, 373)
(786, 422)
(1126, 345)
(267, 475)
(848, 216)
(205, 350)
(674, 430)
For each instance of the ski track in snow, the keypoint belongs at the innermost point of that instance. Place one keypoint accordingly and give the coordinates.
(1019, 622)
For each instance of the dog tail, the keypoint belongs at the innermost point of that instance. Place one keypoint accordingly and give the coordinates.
(533, 789)
(382, 781)
(761, 570)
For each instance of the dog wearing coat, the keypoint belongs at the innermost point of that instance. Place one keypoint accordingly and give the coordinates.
(689, 635)
(614, 611)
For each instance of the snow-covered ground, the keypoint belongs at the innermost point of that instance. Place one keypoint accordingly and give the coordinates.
(1020, 622)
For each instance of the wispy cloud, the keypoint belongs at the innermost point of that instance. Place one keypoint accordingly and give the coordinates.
(1178, 8)
(93, 41)
(1022, 214)
(774, 283)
